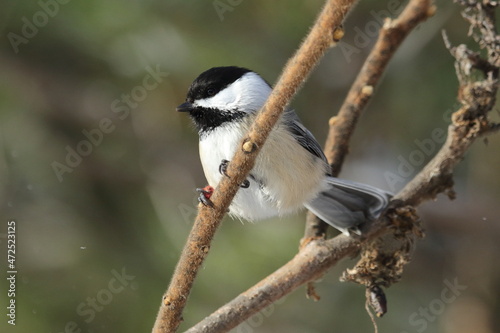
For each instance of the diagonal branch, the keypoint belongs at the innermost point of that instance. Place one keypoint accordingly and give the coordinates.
(392, 34)
(324, 34)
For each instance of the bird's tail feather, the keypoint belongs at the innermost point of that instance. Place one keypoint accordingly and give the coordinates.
(346, 204)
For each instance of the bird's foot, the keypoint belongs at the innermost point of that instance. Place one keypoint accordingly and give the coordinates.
(205, 194)
(223, 167)
(223, 171)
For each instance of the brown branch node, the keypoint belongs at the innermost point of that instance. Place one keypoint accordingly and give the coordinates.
(382, 259)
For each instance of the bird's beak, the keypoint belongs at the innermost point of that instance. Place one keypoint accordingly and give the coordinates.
(185, 107)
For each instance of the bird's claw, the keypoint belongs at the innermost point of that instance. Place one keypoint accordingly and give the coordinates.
(223, 167)
(205, 194)
(223, 171)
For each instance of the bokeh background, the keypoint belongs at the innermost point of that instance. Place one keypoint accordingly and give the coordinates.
(98, 235)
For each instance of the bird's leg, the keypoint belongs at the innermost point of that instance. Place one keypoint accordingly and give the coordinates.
(205, 194)
(223, 171)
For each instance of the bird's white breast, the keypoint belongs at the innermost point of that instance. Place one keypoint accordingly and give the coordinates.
(220, 144)
(276, 187)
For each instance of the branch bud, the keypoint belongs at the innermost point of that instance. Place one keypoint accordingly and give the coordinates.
(248, 146)
(338, 33)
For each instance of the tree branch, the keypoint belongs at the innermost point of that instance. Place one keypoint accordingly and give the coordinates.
(314, 259)
(383, 259)
(341, 127)
(477, 98)
(391, 35)
(324, 34)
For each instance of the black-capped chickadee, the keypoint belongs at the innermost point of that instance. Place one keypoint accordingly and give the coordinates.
(291, 170)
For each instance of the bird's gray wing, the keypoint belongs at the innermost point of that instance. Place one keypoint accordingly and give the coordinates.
(344, 204)
(303, 136)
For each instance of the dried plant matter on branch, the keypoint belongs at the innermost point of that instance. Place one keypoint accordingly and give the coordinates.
(476, 96)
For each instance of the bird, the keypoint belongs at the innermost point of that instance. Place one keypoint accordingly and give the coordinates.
(291, 170)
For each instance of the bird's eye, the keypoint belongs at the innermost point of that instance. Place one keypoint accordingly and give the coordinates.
(210, 91)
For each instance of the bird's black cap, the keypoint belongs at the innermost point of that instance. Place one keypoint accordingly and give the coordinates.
(211, 81)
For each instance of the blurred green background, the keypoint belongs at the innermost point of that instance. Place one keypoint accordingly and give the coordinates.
(98, 235)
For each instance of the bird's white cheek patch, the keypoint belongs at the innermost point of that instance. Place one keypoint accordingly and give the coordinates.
(225, 100)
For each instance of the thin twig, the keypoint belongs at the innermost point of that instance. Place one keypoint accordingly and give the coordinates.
(392, 34)
(322, 36)
(341, 127)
